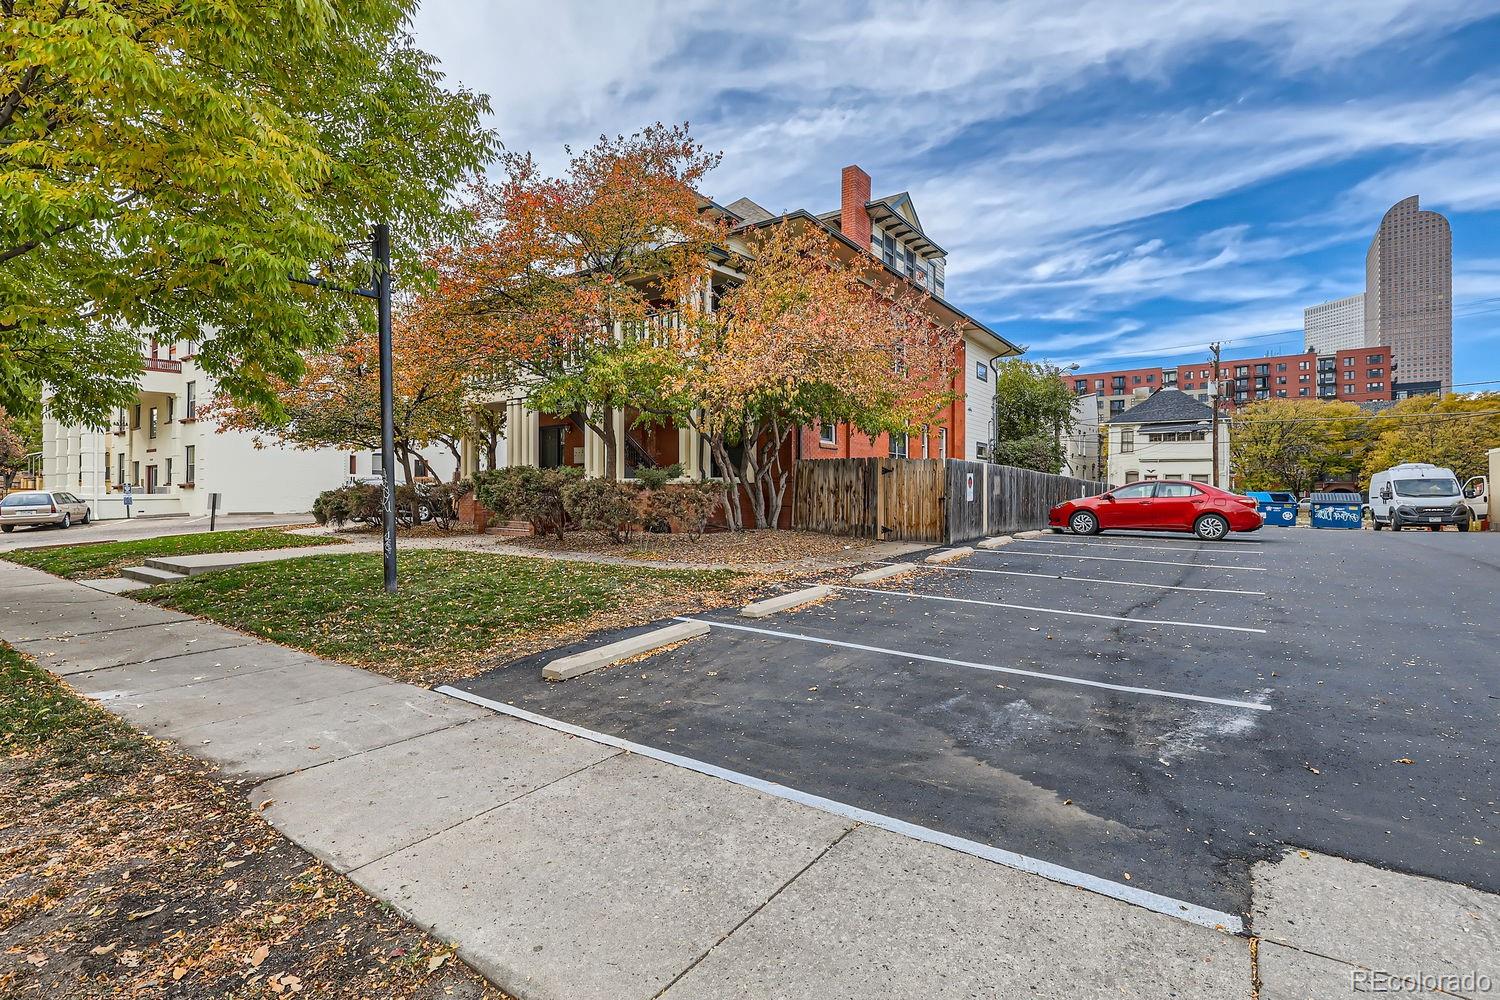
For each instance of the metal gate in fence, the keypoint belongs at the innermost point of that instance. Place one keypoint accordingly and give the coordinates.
(925, 500)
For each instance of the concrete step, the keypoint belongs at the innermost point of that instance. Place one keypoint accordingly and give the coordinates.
(151, 575)
(515, 528)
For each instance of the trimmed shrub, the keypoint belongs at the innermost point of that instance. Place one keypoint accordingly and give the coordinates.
(690, 505)
(605, 506)
(526, 493)
(655, 477)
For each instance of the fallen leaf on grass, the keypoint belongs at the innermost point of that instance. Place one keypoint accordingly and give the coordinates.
(129, 959)
(104, 949)
(179, 972)
(37, 959)
(143, 914)
(436, 962)
(259, 955)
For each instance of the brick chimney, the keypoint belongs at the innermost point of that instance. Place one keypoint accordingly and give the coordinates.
(854, 218)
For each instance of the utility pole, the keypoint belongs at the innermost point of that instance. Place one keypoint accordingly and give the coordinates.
(1214, 426)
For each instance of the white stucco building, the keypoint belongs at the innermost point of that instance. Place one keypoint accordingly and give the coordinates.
(1167, 436)
(174, 458)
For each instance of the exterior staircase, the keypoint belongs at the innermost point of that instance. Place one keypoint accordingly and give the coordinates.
(151, 575)
(515, 529)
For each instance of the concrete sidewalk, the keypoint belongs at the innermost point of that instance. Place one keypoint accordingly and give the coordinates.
(564, 868)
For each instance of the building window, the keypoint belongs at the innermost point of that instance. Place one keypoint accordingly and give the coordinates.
(190, 460)
(135, 417)
(942, 442)
(828, 434)
(135, 473)
(151, 431)
(898, 445)
(1081, 386)
(121, 477)
(169, 472)
(353, 464)
(377, 467)
(1127, 441)
(981, 371)
(171, 407)
(192, 400)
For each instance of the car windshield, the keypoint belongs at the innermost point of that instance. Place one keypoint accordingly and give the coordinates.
(1427, 487)
(25, 500)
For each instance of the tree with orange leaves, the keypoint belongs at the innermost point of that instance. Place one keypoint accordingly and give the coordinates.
(556, 272)
(336, 402)
(805, 336)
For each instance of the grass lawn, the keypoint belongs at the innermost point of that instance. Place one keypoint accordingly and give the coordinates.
(128, 869)
(93, 560)
(456, 613)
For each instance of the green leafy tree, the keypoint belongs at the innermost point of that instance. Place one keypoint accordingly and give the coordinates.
(1033, 415)
(1455, 432)
(164, 167)
(1292, 444)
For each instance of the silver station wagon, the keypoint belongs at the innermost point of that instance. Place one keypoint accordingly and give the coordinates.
(41, 507)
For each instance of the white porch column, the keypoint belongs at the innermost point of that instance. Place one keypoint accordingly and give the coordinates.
(619, 424)
(532, 442)
(690, 452)
(593, 453)
(515, 430)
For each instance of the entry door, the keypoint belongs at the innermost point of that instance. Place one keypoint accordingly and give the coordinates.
(150, 479)
(550, 446)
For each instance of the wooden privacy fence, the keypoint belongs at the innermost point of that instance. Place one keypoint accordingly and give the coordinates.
(925, 500)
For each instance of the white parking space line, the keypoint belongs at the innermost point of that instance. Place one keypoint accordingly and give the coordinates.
(1190, 912)
(1053, 611)
(1095, 579)
(1011, 550)
(1127, 545)
(991, 667)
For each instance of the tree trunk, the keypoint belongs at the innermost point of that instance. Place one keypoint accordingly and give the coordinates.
(733, 511)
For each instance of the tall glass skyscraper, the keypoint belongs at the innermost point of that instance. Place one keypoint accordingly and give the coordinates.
(1409, 297)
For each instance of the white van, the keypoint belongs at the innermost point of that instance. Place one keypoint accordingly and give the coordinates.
(1418, 495)
(1477, 493)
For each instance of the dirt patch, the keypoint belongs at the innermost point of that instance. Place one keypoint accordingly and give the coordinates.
(128, 868)
(752, 550)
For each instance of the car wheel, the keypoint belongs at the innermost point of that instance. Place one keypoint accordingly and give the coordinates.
(1375, 522)
(1465, 524)
(67, 521)
(1083, 523)
(1395, 521)
(7, 528)
(85, 518)
(1211, 527)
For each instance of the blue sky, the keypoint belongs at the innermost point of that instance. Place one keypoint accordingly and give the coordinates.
(1116, 183)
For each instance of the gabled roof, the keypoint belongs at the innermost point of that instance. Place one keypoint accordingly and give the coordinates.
(949, 312)
(1165, 406)
(895, 214)
(749, 211)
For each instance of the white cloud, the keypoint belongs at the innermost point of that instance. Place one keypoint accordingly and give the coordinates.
(1050, 209)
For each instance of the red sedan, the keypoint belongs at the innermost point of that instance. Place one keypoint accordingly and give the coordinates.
(1164, 505)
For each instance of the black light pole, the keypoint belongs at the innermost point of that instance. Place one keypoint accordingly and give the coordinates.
(380, 291)
(387, 404)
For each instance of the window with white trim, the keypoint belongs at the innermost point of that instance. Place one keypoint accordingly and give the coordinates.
(828, 434)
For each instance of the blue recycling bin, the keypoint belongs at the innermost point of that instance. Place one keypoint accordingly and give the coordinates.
(1338, 510)
(1279, 508)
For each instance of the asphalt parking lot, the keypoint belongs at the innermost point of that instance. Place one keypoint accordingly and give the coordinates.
(1149, 710)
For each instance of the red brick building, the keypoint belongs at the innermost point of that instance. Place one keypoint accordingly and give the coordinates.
(1357, 375)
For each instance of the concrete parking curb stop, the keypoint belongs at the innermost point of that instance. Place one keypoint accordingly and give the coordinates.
(996, 542)
(948, 555)
(1030, 534)
(882, 572)
(566, 667)
(785, 602)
